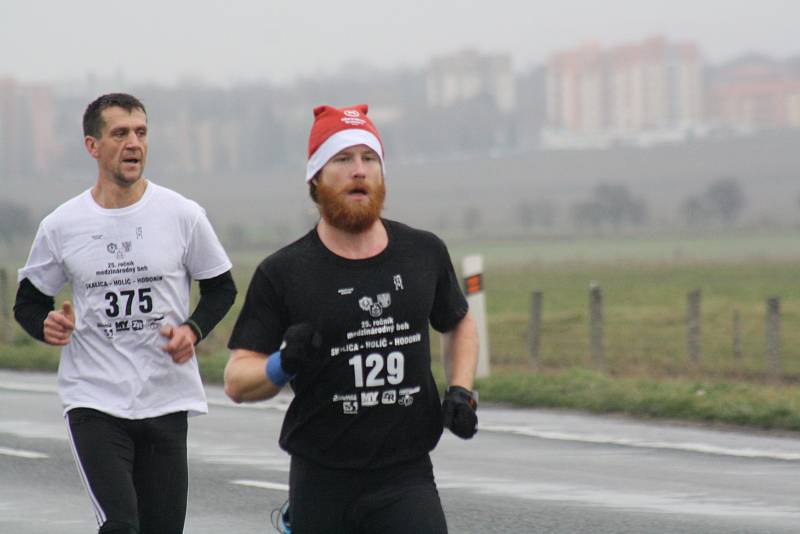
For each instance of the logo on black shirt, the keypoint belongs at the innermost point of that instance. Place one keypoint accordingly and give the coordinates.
(389, 397)
(375, 307)
(398, 282)
(369, 398)
(407, 396)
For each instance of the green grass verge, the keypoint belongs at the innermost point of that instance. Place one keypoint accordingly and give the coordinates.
(25, 354)
(755, 405)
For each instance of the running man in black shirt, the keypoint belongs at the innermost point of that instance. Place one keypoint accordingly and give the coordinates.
(343, 314)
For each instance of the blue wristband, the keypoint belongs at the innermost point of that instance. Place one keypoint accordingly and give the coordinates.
(275, 372)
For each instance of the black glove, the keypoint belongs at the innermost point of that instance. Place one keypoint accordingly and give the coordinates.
(458, 411)
(300, 348)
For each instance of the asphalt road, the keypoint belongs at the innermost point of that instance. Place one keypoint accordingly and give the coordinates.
(527, 471)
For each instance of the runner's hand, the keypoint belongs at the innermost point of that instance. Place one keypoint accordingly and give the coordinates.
(59, 324)
(458, 412)
(181, 342)
(300, 348)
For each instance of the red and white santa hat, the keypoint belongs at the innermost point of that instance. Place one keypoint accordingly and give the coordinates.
(336, 129)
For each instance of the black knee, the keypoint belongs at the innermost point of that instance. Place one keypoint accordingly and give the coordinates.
(117, 527)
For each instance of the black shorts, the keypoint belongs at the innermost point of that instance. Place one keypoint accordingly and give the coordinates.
(135, 470)
(394, 500)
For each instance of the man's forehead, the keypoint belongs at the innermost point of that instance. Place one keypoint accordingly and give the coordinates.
(115, 114)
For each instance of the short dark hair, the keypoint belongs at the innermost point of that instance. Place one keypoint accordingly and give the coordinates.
(93, 118)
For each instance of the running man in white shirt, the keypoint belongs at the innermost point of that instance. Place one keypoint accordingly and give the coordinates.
(127, 376)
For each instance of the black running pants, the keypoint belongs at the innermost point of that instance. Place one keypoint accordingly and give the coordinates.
(400, 499)
(135, 470)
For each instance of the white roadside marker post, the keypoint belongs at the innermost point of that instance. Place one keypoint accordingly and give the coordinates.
(472, 270)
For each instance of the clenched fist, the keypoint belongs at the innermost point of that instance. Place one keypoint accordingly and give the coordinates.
(300, 348)
(181, 342)
(59, 324)
(458, 412)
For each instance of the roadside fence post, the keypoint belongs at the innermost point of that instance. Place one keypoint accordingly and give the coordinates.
(737, 337)
(773, 331)
(693, 326)
(535, 329)
(596, 325)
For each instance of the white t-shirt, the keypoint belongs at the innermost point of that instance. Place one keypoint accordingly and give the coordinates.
(131, 271)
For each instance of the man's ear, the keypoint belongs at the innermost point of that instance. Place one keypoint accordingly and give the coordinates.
(91, 146)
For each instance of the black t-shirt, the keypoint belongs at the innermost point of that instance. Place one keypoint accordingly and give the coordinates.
(372, 402)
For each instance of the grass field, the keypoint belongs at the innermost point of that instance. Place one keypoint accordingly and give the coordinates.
(647, 372)
(645, 316)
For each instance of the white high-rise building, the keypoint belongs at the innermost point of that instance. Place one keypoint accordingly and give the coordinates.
(467, 75)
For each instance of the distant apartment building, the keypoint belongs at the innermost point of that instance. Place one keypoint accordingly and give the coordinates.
(755, 92)
(46, 149)
(576, 92)
(639, 93)
(28, 144)
(8, 127)
(467, 75)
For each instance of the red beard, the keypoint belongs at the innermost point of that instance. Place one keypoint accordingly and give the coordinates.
(353, 217)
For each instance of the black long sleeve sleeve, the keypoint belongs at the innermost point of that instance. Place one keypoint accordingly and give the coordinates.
(216, 298)
(31, 308)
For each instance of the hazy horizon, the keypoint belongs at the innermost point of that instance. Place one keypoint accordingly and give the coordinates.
(245, 41)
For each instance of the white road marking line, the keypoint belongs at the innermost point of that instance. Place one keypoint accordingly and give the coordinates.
(261, 484)
(33, 388)
(20, 453)
(667, 502)
(280, 405)
(644, 444)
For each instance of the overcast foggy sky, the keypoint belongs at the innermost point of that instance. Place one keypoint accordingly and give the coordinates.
(230, 41)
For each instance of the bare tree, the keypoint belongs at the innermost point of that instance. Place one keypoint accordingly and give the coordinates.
(725, 200)
(610, 204)
(722, 202)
